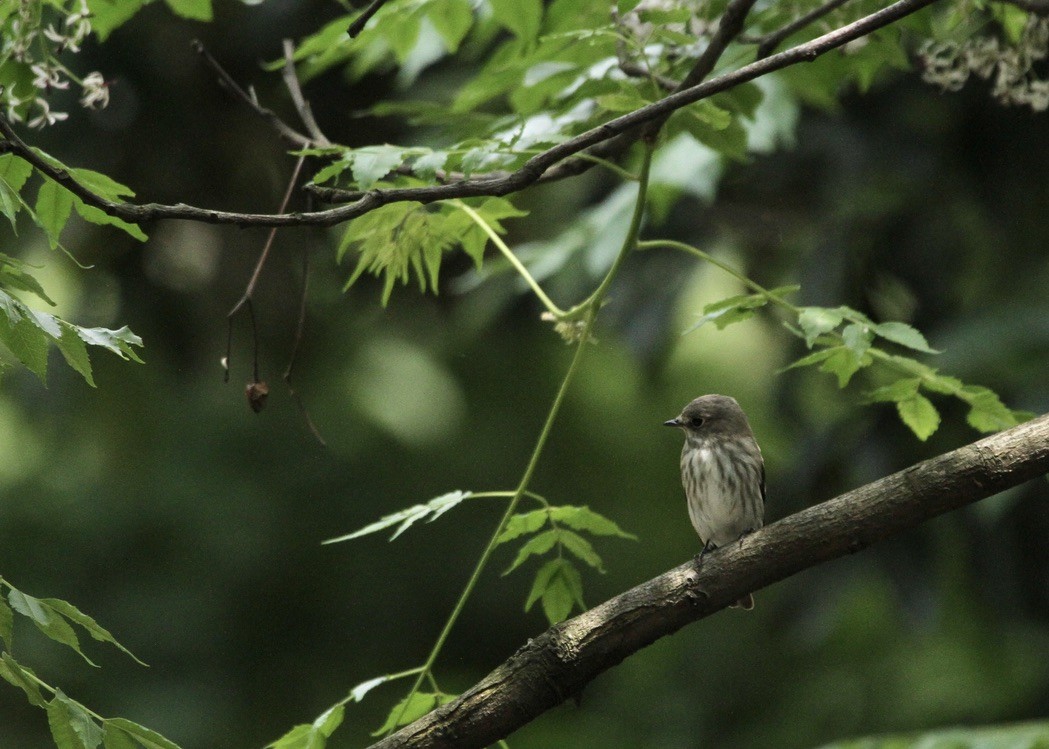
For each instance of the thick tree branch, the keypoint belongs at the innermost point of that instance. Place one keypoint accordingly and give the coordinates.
(528, 174)
(561, 661)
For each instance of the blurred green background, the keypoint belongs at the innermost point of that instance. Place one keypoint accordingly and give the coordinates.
(191, 527)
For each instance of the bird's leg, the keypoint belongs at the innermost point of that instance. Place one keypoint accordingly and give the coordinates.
(707, 547)
(746, 532)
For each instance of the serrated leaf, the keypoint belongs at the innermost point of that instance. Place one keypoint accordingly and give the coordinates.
(148, 738)
(98, 183)
(108, 15)
(522, 524)
(902, 389)
(46, 619)
(95, 215)
(74, 350)
(807, 361)
(14, 274)
(371, 164)
(815, 321)
(358, 692)
(904, 335)
(563, 591)
(93, 628)
(585, 519)
(312, 735)
(987, 412)
(407, 517)
(581, 548)
(538, 544)
(118, 341)
(857, 338)
(19, 676)
(71, 715)
(14, 171)
(843, 362)
(918, 413)
(711, 114)
(943, 384)
(10, 204)
(408, 710)
(24, 338)
(53, 206)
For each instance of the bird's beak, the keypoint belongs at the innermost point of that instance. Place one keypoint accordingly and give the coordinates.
(675, 422)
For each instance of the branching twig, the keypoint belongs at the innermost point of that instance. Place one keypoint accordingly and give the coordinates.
(561, 661)
(531, 172)
(302, 105)
(767, 43)
(249, 291)
(226, 80)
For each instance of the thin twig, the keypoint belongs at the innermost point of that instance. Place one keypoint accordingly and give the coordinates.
(767, 43)
(226, 80)
(531, 172)
(366, 15)
(249, 290)
(299, 330)
(302, 105)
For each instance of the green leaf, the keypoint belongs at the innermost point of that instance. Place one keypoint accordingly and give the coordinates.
(371, 164)
(939, 383)
(14, 171)
(581, 548)
(523, 523)
(95, 215)
(71, 725)
(23, 337)
(538, 544)
(117, 739)
(711, 114)
(918, 413)
(118, 341)
(844, 363)
(10, 203)
(815, 321)
(521, 17)
(148, 738)
(14, 275)
(560, 587)
(585, 519)
(312, 735)
(857, 338)
(53, 205)
(19, 676)
(902, 389)
(100, 184)
(408, 710)
(96, 630)
(74, 350)
(108, 15)
(738, 308)
(46, 619)
(7, 625)
(407, 517)
(814, 358)
(195, 10)
(905, 335)
(987, 412)
(452, 19)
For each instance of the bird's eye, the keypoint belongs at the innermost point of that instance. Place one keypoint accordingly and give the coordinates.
(695, 422)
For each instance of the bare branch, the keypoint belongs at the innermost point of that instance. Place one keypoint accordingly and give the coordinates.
(531, 172)
(767, 44)
(226, 80)
(302, 105)
(560, 662)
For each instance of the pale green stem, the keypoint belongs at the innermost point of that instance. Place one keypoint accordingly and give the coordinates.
(592, 305)
(511, 257)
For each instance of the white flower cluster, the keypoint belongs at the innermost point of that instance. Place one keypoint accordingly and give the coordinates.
(1008, 67)
(29, 44)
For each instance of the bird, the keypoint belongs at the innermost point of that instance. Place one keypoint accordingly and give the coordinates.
(722, 472)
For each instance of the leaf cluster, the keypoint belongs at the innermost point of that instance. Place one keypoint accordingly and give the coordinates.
(72, 725)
